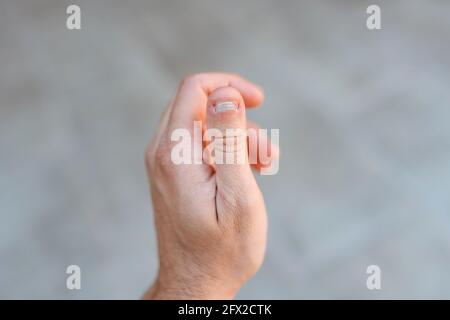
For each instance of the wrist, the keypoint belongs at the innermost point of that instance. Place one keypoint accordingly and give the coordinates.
(177, 288)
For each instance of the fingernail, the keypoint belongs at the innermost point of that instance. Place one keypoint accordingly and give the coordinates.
(225, 106)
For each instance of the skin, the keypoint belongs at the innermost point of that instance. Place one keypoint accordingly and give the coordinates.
(210, 219)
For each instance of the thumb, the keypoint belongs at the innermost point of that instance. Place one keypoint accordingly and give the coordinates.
(226, 129)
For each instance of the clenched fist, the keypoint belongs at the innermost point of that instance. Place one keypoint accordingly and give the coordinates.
(210, 218)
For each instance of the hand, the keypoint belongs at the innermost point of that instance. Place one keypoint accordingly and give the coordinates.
(210, 219)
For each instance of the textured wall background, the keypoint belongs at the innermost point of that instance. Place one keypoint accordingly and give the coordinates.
(364, 131)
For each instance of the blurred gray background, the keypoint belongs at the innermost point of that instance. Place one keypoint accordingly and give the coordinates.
(364, 131)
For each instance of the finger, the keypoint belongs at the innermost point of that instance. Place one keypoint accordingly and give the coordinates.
(226, 127)
(261, 151)
(192, 95)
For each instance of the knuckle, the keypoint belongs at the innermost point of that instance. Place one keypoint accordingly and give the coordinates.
(162, 160)
(157, 159)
